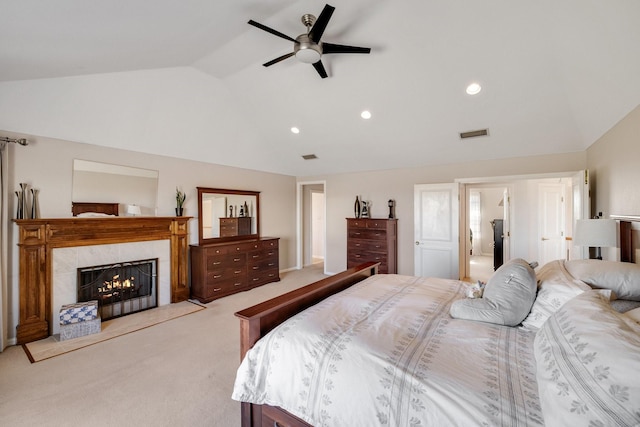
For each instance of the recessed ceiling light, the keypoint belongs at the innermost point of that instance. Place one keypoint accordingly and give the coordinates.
(366, 114)
(295, 130)
(474, 88)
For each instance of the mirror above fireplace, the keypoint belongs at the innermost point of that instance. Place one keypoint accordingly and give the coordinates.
(226, 215)
(95, 182)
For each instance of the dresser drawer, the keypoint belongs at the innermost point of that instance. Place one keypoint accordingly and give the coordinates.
(358, 245)
(224, 287)
(366, 233)
(216, 262)
(264, 276)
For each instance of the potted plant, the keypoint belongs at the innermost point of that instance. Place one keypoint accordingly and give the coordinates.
(180, 198)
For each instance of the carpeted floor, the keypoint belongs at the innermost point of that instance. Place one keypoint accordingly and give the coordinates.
(176, 373)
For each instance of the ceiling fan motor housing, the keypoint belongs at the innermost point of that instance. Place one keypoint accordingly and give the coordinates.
(307, 50)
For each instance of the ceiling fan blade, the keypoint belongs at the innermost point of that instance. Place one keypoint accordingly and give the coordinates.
(270, 30)
(278, 59)
(320, 69)
(340, 48)
(321, 23)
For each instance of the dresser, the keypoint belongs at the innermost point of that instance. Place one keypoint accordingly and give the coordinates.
(370, 239)
(236, 226)
(222, 269)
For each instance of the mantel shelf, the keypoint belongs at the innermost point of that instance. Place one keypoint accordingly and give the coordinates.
(38, 238)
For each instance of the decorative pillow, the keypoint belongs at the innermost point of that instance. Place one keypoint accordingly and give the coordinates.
(587, 364)
(507, 296)
(623, 278)
(633, 315)
(555, 287)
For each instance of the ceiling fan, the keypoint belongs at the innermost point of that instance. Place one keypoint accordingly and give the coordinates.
(307, 47)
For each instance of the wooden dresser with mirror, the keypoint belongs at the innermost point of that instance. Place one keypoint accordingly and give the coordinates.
(231, 256)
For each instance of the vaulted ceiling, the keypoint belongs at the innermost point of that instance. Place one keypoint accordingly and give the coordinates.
(555, 76)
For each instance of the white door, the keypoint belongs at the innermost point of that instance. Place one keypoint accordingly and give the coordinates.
(581, 209)
(436, 230)
(551, 230)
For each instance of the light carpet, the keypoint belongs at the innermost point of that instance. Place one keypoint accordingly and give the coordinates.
(176, 373)
(52, 346)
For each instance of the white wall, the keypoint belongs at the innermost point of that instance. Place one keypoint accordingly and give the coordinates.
(46, 164)
(613, 162)
(380, 186)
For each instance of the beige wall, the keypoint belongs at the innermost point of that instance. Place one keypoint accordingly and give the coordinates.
(46, 164)
(614, 163)
(380, 186)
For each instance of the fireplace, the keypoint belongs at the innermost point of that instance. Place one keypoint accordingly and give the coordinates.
(120, 289)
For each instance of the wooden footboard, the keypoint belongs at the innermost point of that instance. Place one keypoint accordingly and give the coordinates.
(256, 321)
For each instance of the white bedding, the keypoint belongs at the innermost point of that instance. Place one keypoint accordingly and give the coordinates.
(387, 353)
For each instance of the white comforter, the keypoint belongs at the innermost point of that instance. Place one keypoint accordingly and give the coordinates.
(386, 353)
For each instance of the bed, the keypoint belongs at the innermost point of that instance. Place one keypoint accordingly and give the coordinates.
(366, 349)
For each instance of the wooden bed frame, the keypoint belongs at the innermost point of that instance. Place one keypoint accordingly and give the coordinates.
(256, 321)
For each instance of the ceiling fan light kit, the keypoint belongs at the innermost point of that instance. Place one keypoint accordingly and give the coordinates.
(307, 47)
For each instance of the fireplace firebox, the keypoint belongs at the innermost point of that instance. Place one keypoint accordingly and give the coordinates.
(120, 289)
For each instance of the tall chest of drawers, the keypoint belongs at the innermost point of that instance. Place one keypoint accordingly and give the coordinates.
(370, 239)
(223, 269)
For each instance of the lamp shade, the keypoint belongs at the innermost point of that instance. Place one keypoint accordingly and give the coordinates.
(595, 233)
(133, 210)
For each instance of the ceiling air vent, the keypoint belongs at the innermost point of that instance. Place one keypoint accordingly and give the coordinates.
(474, 133)
(309, 156)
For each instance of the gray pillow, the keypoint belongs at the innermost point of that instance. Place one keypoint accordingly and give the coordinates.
(508, 296)
(622, 278)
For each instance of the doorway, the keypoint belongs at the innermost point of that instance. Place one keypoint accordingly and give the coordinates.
(535, 207)
(311, 200)
(487, 231)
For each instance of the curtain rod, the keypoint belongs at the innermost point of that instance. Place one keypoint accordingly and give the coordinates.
(21, 141)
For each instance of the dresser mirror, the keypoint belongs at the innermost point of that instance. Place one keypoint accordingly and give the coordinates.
(226, 215)
(95, 182)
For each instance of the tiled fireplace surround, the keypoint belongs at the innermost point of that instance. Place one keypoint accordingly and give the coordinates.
(66, 262)
(51, 250)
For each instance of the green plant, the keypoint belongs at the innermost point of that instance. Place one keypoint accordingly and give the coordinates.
(180, 198)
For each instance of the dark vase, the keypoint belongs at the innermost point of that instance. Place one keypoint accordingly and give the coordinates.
(178, 211)
(356, 208)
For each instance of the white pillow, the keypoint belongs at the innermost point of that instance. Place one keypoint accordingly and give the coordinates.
(623, 278)
(587, 365)
(506, 299)
(633, 314)
(555, 287)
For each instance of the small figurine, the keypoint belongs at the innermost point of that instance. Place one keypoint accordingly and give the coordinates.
(365, 209)
(230, 211)
(391, 204)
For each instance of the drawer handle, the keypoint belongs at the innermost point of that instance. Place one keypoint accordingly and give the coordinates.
(256, 256)
(357, 234)
(238, 271)
(272, 264)
(216, 263)
(236, 259)
(270, 253)
(217, 276)
(357, 244)
(256, 268)
(237, 284)
(216, 289)
(357, 256)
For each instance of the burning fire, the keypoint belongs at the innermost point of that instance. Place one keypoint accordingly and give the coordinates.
(113, 287)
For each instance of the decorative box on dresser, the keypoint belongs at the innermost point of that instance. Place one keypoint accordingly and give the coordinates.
(222, 269)
(370, 239)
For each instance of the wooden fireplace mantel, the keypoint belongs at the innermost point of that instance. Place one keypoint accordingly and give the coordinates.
(38, 238)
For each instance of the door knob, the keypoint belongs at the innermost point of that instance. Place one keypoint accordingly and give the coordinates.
(544, 238)
(417, 243)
